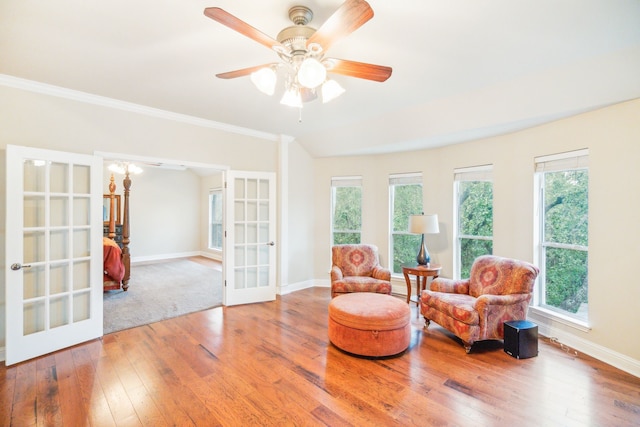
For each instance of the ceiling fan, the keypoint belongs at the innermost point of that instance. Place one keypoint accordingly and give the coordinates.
(302, 50)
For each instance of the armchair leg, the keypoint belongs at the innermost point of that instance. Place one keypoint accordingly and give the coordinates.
(467, 347)
(426, 323)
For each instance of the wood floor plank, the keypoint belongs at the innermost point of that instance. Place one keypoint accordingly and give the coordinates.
(24, 408)
(120, 404)
(272, 364)
(7, 391)
(72, 408)
(95, 402)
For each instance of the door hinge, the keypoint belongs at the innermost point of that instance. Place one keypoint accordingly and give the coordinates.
(225, 283)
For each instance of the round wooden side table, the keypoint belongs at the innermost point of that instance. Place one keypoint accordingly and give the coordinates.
(422, 272)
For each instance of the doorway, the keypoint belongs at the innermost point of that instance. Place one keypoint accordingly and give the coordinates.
(169, 230)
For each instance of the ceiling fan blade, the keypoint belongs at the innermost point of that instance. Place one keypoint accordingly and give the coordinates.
(378, 73)
(236, 24)
(348, 18)
(241, 73)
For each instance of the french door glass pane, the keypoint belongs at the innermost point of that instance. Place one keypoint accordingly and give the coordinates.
(34, 176)
(34, 316)
(59, 178)
(59, 247)
(58, 278)
(33, 282)
(81, 306)
(33, 215)
(59, 312)
(81, 211)
(33, 247)
(81, 179)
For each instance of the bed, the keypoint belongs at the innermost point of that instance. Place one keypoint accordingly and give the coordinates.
(115, 239)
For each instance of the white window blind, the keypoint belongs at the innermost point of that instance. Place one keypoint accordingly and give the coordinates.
(474, 173)
(405, 179)
(578, 159)
(346, 181)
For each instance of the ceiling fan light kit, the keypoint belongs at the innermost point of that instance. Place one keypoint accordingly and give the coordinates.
(265, 80)
(302, 49)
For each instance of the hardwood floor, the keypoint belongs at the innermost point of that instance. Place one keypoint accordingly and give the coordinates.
(271, 364)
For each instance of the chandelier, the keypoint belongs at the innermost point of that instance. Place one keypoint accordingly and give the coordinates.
(125, 168)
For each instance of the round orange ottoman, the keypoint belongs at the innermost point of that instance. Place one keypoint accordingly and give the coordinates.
(369, 324)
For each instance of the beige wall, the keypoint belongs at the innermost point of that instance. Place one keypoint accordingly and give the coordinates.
(43, 121)
(300, 216)
(164, 207)
(612, 136)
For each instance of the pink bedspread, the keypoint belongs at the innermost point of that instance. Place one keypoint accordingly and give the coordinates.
(112, 261)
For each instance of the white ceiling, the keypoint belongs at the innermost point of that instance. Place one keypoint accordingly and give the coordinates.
(462, 69)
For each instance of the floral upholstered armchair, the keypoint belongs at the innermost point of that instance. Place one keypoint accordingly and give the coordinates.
(475, 309)
(356, 268)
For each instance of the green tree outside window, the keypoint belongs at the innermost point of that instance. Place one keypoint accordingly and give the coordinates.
(347, 215)
(475, 222)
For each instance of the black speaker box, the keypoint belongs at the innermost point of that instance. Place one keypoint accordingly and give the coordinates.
(521, 339)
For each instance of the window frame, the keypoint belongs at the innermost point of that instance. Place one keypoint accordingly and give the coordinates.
(567, 161)
(215, 192)
(342, 182)
(412, 178)
(480, 173)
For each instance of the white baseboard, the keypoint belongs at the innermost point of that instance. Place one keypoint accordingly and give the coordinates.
(606, 355)
(163, 257)
(293, 287)
(211, 255)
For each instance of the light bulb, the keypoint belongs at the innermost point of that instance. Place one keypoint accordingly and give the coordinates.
(311, 73)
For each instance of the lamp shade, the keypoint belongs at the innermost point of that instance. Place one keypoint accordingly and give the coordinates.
(424, 224)
(292, 98)
(265, 80)
(331, 89)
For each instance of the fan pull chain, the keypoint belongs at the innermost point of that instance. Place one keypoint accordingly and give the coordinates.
(300, 115)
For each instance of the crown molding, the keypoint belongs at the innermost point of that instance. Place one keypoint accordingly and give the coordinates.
(103, 101)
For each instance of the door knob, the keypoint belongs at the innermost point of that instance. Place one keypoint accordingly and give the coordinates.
(17, 266)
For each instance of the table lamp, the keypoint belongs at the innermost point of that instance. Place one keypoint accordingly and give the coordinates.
(423, 224)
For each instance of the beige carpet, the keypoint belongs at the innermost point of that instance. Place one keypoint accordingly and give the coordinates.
(160, 291)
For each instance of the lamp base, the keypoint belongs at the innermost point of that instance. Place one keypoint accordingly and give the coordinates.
(423, 257)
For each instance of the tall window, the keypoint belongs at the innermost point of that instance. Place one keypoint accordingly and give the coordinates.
(474, 214)
(563, 206)
(215, 219)
(405, 199)
(346, 209)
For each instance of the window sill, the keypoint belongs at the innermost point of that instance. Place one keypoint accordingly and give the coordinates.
(581, 325)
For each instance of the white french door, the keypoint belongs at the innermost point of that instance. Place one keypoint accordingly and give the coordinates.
(53, 251)
(250, 254)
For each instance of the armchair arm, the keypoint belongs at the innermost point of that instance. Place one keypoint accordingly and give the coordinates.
(381, 273)
(336, 273)
(484, 302)
(450, 286)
